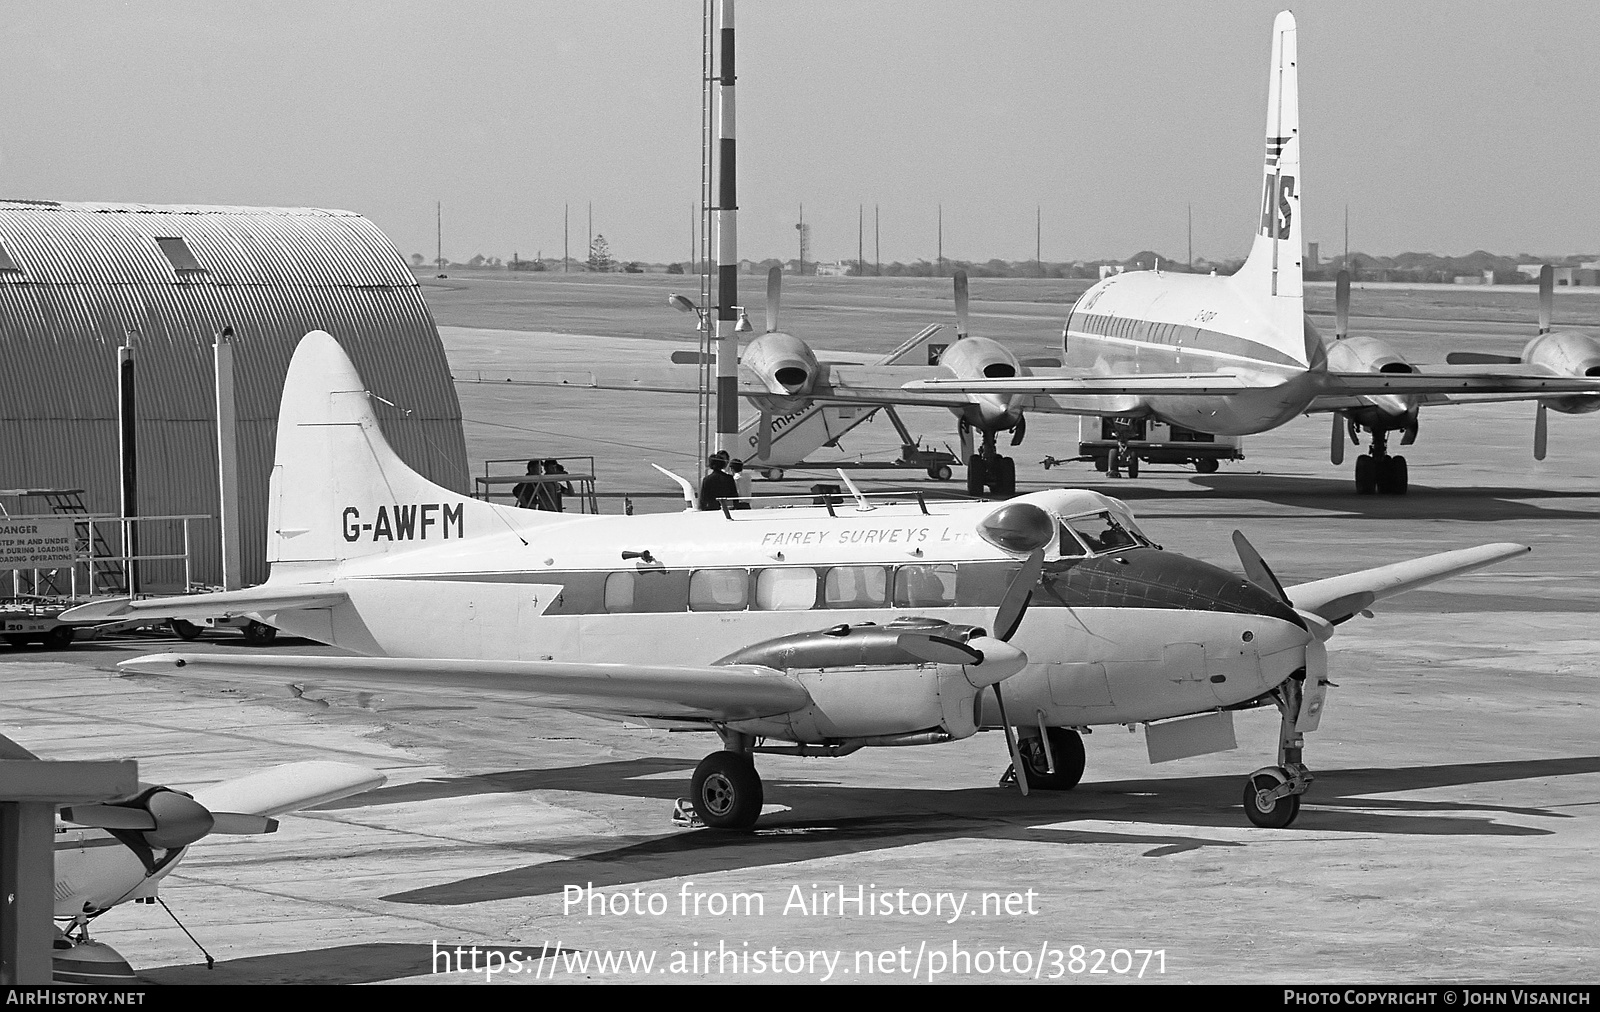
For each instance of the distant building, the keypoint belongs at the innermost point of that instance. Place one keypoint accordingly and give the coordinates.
(1563, 275)
(77, 279)
(836, 269)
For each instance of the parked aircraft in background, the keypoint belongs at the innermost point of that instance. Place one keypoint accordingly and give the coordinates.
(1237, 355)
(827, 628)
(111, 853)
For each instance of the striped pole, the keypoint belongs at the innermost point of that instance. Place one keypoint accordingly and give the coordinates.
(727, 243)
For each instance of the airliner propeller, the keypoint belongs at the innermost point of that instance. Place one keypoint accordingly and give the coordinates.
(774, 297)
(961, 305)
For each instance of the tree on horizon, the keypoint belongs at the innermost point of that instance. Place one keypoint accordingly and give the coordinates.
(600, 256)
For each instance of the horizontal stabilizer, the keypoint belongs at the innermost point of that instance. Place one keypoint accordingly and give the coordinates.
(287, 788)
(227, 604)
(723, 692)
(1340, 597)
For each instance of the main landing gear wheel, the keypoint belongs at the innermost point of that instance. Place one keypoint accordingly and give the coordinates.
(1133, 466)
(1067, 748)
(727, 791)
(259, 634)
(1206, 465)
(1004, 482)
(1269, 812)
(1392, 475)
(184, 629)
(1366, 475)
(977, 475)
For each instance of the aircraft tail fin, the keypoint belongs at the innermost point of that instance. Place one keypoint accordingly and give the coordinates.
(1272, 272)
(339, 491)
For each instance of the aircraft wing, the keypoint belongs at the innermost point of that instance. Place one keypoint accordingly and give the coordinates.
(1341, 597)
(1475, 380)
(226, 604)
(288, 788)
(722, 692)
(1059, 382)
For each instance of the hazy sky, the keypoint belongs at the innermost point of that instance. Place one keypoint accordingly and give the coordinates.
(1445, 126)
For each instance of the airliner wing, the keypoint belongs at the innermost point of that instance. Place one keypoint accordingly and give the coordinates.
(719, 693)
(1341, 597)
(1474, 381)
(226, 604)
(1052, 383)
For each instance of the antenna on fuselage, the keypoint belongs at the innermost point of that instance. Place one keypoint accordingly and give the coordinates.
(861, 500)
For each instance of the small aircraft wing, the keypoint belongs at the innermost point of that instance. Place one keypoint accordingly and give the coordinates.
(226, 604)
(710, 693)
(288, 788)
(1342, 597)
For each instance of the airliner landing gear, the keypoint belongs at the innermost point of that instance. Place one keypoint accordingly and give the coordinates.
(1272, 794)
(987, 469)
(726, 790)
(1060, 748)
(1376, 471)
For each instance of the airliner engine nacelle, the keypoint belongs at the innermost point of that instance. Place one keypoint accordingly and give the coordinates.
(913, 681)
(980, 357)
(786, 367)
(1566, 354)
(1382, 413)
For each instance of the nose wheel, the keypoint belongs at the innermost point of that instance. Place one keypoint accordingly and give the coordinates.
(1272, 794)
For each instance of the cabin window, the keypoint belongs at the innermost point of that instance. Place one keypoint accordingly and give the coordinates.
(719, 590)
(856, 587)
(646, 590)
(786, 589)
(925, 586)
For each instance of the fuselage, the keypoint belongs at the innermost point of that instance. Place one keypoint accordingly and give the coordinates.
(1114, 633)
(1150, 323)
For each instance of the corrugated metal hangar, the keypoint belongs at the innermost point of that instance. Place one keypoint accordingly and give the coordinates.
(77, 279)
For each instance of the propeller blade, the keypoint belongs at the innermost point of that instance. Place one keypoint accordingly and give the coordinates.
(774, 297)
(1011, 743)
(1019, 431)
(1341, 307)
(1015, 602)
(240, 824)
(1336, 441)
(1541, 432)
(961, 304)
(1547, 297)
(764, 436)
(109, 817)
(1255, 567)
(938, 649)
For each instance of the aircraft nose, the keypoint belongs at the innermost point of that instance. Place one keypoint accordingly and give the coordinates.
(1149, 578)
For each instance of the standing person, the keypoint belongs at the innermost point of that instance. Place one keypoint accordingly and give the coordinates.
(717, 485)
(553, 490)
(741, 481)
(527, 492)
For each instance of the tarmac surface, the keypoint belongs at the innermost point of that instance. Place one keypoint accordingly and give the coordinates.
(1450, 835)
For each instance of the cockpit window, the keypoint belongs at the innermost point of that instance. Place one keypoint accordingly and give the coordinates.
(1070, 546)
(1103, 532)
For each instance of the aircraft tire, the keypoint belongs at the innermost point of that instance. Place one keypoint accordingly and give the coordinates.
(184, 630)
(1366, 475)
(59, 638)
(1133, 466)
(1275, 814)
(1005, 477)
(977, 475)
(727, 791)
(259, 634)
(1067, 747)
(1399, 476)
(1206, 465)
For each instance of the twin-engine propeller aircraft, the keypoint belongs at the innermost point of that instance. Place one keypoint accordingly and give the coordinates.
(813, 630)
(1237, 355)
(108, 854)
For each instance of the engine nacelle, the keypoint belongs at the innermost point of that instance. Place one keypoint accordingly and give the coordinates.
(1381, 413)
(1566, 353)
(785, 366)
(981, 358)
(865, 685)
